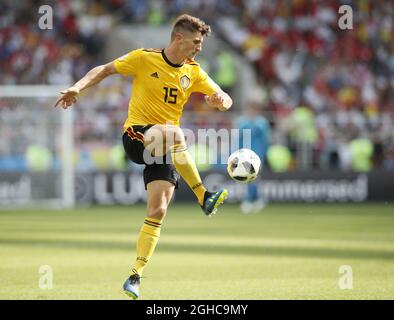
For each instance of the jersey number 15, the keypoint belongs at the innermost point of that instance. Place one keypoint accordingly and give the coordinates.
(170, 95)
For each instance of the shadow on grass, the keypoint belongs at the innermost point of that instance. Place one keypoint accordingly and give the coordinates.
(301, 251)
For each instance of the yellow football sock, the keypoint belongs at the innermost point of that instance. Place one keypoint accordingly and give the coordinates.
(148, 238)
(186, 167)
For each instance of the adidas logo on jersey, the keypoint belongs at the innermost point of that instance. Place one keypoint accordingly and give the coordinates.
(154, 75)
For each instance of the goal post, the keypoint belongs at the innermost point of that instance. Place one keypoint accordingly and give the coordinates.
(36, 148)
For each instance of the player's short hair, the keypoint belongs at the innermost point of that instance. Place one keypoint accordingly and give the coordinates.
(189, 23)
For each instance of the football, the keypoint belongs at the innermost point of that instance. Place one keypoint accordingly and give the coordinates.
(243, 165)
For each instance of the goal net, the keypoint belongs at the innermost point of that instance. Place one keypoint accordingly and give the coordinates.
(36, 148)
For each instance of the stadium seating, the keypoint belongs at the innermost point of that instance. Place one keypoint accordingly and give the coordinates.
(300, 55)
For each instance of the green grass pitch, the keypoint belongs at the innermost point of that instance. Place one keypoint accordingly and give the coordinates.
(286, 252)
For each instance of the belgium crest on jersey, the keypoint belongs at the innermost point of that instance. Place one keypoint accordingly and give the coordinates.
(185, 82)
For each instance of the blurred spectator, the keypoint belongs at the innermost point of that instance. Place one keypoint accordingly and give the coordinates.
(117, 158)
(302, 134)
(279, 158)
(202, 155)
(39, 158)
(225, 74)
(362, 150)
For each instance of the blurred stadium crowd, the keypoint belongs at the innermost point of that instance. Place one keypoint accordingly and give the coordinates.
(327, 93)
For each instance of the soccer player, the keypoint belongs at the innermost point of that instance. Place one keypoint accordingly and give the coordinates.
(260, 139)
(163, 80)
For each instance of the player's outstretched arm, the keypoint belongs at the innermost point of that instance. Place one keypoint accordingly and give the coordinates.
(219, 100)
(94, 76)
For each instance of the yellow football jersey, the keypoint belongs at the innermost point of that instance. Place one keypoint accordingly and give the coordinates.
(160, 88)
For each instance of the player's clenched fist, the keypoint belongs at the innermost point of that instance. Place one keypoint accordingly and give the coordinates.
(68, 98)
